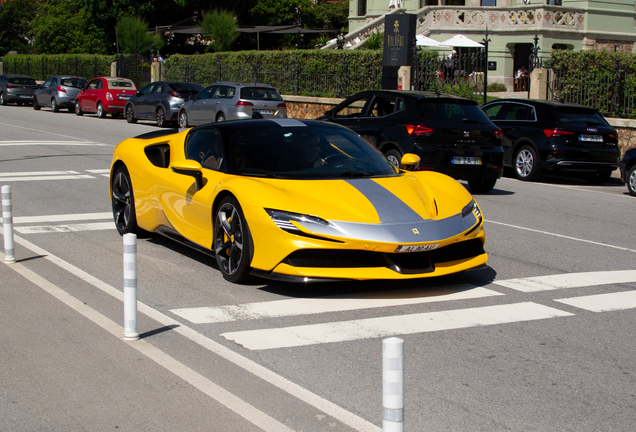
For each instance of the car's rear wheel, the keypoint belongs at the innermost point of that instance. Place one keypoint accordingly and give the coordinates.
(36, 105)
(78, 109)
(130, 114)
(101, 113)
(3, 101)
(631, 180)
(183, 119)
(124, 203)
(232, 242)
(161, 117)
(394, 157)
(54, 106)
(480, 186)
(220, 118)
(526, 164)
(599, 177)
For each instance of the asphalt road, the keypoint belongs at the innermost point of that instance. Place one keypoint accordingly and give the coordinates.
(540, 340)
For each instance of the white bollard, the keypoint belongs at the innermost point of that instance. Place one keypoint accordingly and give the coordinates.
(393, 384)
(130, 287)
(7, 225)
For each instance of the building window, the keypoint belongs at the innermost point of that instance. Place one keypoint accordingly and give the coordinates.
(554, 2)
(362, 7)
(454, 2)
(489, 2)
(428, 3)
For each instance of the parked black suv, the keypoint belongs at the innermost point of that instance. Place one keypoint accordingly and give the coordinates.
(549, 136)
(450, 134)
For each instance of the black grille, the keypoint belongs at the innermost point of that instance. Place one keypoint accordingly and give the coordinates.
(408, 262)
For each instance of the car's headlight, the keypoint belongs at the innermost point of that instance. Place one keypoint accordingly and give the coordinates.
(283, 219)
(472, 207)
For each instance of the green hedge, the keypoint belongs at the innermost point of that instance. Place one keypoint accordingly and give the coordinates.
(43, 66)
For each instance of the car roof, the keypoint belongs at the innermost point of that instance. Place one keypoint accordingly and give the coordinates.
(16, 76)
(541, 102)
(236, 125)
(414, 94)
(241, 84)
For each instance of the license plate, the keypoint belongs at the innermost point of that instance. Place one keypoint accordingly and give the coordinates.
(461, 160)
(420, 248)
(591, 138)
(124, 97)
(26, 97)
(266, 112)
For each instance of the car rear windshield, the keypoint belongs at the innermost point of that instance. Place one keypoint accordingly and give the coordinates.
(451, 111)
(120, 84)
(260, 93)
(185, 87)
(22, 81)
(572, 115)
(74, 82)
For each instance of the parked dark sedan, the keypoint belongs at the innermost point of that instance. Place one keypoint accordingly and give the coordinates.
(450, 134)
(16, 89)
(549, 136)
(160, 101)
(628, 170)
(58, 92)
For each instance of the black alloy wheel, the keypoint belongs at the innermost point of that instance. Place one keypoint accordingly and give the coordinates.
(232, 241)
(123, 203)
(78, 109)
(526, 164)
(130, 114)
(631, 180)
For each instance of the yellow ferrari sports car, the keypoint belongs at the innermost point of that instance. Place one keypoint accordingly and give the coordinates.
(295, 200)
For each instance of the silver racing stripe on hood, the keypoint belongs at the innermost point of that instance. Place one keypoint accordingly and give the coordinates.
(398, 222)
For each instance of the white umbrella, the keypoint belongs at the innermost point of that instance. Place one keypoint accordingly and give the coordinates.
(461, 41)
(422, 40)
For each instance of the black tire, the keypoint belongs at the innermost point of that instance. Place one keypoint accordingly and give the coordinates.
(220, 118)
(123, 203)
(160, 116)
(526, 164)
(78, 109)
(54, 106)
(101, 113)
(36, 105)
(232, 242)
(599, 177)
(183, 119)
(130, 114)
(394, 156)
(481, 186)
(631, 180)
(3, 101)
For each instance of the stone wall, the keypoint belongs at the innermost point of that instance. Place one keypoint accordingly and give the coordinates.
(626, 133)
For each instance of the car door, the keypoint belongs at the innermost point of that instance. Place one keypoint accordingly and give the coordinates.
(44, 95)
(154, 99)
(516, 120)
(141, 101)
(90, 94)
(196, 110)
(188, 209)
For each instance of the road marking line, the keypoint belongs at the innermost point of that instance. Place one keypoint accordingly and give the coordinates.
(99, 171)
(309, 306)
(48, 178)
(254, 368)
(62, 218)
(96, 226)
(569, 280)
(603, 302)
(36, 173)
(49, 143)
(12, 126)
(562, 236)
(198, 381)
(391, 326)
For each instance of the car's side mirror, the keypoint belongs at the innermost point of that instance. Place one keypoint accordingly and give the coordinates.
(190, 168)
(139, 93)
(410, 161)
(329, 114)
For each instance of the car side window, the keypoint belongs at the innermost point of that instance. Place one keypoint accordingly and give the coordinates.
(493, 111)
(400, 105)
(158, 89)
(206, 147)
(147, 89)
(220, 92)
(206, 93)
(93, 85)
(48, 83)
(520, 112)
(231, 91)
(381, 106)
(352, 110)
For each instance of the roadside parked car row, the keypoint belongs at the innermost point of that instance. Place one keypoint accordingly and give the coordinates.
(450, 134)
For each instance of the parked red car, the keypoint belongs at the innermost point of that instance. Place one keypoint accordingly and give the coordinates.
(105, 95)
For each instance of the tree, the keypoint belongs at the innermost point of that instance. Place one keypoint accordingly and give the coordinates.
(15, 16)
(133, 37)
(219, 26)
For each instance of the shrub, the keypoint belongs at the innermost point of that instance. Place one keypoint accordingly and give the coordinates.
(497, 87)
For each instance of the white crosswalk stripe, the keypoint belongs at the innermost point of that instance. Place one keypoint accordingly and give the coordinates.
(603, 302)
(50, 143)
(570, 280)
(65, 228)
(96, 226)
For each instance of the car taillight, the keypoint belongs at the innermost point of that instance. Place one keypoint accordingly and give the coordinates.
(556, 132)
(243, 103)
(11, 86)
(174, 94)
(61, 89)
(109, 96)
(497, 132)
(613, 135)
(419, 130)
(282, 106)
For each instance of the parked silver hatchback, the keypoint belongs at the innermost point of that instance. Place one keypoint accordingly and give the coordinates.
(58, 92)
(16, 89)
(232, 101)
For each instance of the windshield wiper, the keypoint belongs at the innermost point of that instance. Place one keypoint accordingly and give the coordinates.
(356, 174)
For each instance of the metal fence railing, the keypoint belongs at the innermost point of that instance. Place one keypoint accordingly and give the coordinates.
(42, 68)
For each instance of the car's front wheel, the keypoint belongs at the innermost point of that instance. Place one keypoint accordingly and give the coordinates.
(130, 114)
(3, 101)
(394, 157)
(36, 105)
(123, 203)
(526, 164)
(232, 242)
(78, 109)
(480, 186)
(631, 180)
(161, 117)
(101, 112)
(183, 119)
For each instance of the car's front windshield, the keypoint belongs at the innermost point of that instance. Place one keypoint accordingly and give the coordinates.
(305, 152)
